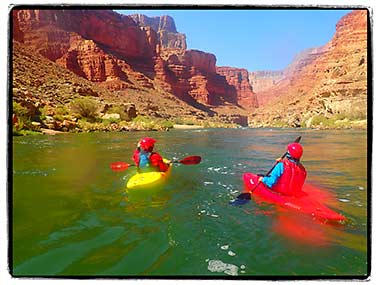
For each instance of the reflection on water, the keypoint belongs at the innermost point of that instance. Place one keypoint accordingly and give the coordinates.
(72, 215)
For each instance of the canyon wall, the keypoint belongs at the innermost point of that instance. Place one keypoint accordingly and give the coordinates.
(49, 31)
(121, 52)
(264, 79)
(327, 81)
(239, 78)
(165, 27)
(139, 53)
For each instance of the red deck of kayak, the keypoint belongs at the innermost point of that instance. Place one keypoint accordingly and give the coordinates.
(308, 203)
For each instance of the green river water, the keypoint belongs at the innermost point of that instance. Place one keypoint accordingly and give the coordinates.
(70, 215)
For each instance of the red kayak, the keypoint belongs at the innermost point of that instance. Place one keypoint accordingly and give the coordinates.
(310, 202)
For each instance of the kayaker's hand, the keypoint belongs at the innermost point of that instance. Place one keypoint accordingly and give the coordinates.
(278, 159)
(260, 179)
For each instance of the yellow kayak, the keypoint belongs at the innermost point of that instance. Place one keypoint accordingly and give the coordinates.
(148, 179)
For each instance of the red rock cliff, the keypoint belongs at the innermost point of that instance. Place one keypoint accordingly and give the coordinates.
(113, 50)
(239, 79)
(192, 73)
(165, 28)
(86, 43)
(331, 80)
(109, 29)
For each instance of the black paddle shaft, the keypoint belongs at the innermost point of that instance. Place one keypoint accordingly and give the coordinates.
(282, 157)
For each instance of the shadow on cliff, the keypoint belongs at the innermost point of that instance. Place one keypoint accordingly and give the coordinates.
(192, 102)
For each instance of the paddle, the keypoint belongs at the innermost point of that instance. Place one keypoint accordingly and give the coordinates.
(121, 166)
(246, 196)
(188, 160)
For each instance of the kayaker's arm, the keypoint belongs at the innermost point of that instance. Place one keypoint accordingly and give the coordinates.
(274, 176)
(158, 161)
(135, 157)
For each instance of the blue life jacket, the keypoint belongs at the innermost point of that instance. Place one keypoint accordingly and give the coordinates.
(144, 161)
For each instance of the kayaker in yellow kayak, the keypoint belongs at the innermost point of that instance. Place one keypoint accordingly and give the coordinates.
(145, 159)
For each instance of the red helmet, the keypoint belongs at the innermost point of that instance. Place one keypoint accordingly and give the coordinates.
(295, 150)
(147, 143)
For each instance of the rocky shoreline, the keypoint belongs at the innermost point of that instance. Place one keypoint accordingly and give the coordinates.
(115, 127)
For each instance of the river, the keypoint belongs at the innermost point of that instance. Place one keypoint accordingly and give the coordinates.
(70, 215)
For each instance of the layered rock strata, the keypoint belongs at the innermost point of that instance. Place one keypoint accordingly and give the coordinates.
(239, 79)
(165, 27)
(127, 52)
(330, 81)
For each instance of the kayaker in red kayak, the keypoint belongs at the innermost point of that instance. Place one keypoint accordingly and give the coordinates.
(289, 174)
(145, 159)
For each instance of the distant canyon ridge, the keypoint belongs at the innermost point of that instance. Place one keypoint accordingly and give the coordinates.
(144, 61)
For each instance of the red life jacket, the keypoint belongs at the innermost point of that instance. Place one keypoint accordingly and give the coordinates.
(291, 181)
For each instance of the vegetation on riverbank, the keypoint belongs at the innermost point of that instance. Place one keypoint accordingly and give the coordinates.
(321, 122)
(83, 116)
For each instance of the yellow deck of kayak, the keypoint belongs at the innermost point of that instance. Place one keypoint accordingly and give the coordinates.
(148, 179)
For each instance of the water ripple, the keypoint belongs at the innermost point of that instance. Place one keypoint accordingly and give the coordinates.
(34, 172)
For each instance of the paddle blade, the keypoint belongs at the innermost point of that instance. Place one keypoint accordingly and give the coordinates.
(191, 160)
(119, 166)
(242, 199)
(238, 202)
(244, 196)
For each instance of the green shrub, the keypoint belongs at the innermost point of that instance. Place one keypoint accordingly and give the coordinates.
(59, 117)
(44, 111)
(23, 119)
(166, 124)
(152, 123)
(323, 121)
(121, 111)
(110, 121)
(84, 124)
(338, 120)
(62, 110)
(140, 119)
(25, 133)
(85, 108)
(19, 110)
(185, 121)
